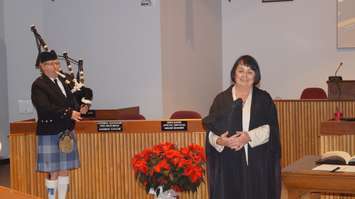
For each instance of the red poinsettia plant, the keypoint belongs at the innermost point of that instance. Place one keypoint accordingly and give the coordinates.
(170, 167)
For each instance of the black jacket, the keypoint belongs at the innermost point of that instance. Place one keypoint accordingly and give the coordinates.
(53, 108)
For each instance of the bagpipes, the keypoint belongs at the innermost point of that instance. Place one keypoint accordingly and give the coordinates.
(82, 94)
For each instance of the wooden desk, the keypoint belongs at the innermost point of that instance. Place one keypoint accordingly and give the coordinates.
(337, 136)
(105, 158)
(7, 193)
(299, 179)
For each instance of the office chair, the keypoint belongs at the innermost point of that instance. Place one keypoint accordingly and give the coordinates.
(185, 115)
(313, 93)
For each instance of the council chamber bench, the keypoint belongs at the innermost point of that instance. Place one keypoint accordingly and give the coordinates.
(105, 156)
(106, 148)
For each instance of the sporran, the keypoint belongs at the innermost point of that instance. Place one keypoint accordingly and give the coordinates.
(66, 142)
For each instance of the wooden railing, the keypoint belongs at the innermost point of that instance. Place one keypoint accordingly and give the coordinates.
(105, 171)
(105, 157)
(299, 122)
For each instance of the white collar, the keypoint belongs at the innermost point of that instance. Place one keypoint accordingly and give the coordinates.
(51, 78)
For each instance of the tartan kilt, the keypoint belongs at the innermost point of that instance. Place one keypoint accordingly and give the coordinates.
(51, 159)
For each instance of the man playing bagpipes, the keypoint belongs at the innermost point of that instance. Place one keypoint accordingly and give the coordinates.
(59, 104)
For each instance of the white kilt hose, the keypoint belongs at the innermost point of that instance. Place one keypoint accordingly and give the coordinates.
(51, 159)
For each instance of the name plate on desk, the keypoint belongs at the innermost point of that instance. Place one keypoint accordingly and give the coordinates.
(109, 126)
(174, 125)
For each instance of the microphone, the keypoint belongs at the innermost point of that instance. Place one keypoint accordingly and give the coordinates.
(238, 103)
(340, 65)
(335, 77)
(234, 116)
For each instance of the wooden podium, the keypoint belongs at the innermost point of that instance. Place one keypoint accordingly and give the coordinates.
(338, 136)
(341, 90)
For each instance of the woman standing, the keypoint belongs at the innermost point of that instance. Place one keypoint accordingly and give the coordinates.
(243, 144)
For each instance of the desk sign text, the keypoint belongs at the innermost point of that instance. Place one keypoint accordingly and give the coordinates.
(109, 126)
(174, 126)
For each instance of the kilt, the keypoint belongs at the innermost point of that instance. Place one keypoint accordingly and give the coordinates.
(51, 159)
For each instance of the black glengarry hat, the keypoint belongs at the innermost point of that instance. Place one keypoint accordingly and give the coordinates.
(45, 56)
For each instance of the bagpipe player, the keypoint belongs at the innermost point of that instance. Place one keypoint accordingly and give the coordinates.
(57, 109)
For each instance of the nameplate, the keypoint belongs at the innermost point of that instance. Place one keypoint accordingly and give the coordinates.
(174, 126)
(109, 126)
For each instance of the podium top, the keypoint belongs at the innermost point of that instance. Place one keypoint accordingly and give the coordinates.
(337, 128)
(128, 126)
(341, 90)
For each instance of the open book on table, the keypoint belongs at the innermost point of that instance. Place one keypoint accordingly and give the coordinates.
(336, 157)
(336, 161)
(335, 168)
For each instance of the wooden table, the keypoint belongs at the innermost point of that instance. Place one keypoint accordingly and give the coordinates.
(300, 179)
(13, 194)
(338, 136)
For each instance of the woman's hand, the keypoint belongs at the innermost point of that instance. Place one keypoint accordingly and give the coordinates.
(223, 140)
(239, 140)
(231, 142)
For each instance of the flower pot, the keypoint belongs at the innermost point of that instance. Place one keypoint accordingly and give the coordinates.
(160, 194)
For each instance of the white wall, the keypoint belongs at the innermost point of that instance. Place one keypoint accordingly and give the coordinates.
(294, 43)
(120, 43)
(16, 47)
(118, 39)
(20, 47)
(4, 112)
(191, 54)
